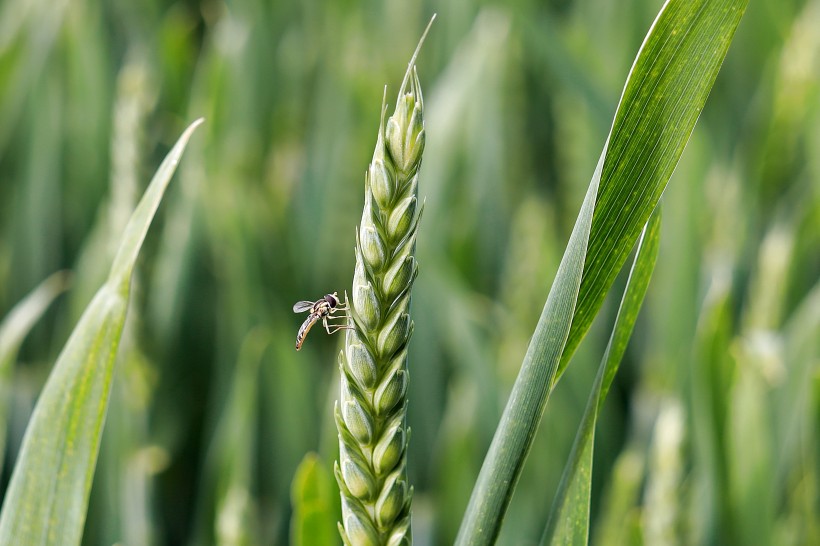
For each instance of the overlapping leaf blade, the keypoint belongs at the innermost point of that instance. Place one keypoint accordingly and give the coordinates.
(47, 497)
(514, 435)
(663, 97)
(569, 520)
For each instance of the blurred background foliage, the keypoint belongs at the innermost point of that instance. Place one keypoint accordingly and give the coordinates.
(710, 434)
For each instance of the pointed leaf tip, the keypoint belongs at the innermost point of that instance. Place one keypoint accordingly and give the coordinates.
(137, 226)
(47, 497)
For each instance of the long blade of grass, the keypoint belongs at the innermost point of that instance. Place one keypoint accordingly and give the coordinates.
(569, 520)
(665, 92)
(13, 331)
(47, 498)
(663, 97)
(521, 416)
(227, 511)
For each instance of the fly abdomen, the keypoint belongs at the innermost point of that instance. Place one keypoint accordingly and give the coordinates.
(305, 328)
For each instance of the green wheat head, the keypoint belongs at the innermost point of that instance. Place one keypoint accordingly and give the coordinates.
(371, 415)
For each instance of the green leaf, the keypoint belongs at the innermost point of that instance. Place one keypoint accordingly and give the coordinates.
(47, 498)
(663, 97)
(513, 437)
(13, 331)
(569, 519)
(312, 494)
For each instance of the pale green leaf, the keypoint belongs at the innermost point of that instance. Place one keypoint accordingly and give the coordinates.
(312, 495)
(13, 331)
(47, 497)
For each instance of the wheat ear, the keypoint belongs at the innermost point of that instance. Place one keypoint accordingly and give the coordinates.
(371, 416)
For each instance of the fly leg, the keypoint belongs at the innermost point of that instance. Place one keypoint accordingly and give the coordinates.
(343, 306)
(333, 328)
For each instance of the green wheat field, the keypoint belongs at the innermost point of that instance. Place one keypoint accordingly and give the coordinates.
(179, 411)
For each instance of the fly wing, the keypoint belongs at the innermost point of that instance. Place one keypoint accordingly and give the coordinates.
(302, 306)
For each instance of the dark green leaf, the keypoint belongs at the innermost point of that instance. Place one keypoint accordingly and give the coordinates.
(663, 97)
(569, 520)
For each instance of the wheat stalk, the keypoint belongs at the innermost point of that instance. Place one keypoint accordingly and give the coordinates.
(371, 416)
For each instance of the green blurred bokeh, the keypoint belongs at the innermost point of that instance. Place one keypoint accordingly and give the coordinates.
(710, 435)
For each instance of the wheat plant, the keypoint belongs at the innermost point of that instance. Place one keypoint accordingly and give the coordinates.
(371, 415)
(204, 428)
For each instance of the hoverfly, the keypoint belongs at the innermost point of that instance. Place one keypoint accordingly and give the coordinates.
(323, 310)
